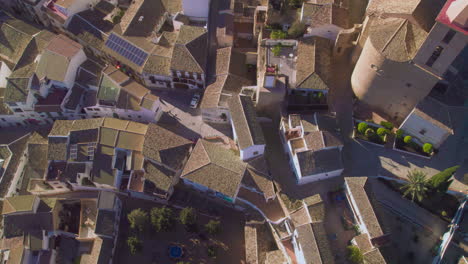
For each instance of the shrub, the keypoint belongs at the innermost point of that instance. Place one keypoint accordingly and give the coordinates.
(212, 252)
(278, 34)
(369, 132)
(138, 219)
(297, 29)
(276, 50)
(162, 219)
(355, 255)
(399, 133)
(134, 244)
(188, 216)
(382, 131)
(387, 125)
(407, 139)
(357, 229)
(362, 127)
(427, 148)
(441, 181)
(213, 227)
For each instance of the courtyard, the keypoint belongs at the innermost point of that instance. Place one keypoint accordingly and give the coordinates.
(228, 244)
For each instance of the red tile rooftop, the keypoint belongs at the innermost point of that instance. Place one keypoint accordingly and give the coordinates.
(444, 19)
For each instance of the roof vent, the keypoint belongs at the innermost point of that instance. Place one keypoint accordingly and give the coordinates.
(141, 18)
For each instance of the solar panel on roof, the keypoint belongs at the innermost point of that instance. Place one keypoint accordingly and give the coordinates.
(126, 49)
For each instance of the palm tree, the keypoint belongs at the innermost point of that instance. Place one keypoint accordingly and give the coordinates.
(416, 186)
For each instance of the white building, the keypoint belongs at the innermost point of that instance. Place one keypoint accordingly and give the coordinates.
(429, 122)
(119, 96)
(313, 145)
(196, 9)
(230, 76)
(367, 241)
(39, 85)
(245, 127)
(59, 11)
(215, 170)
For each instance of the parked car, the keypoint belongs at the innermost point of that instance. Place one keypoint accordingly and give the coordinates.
(195, 100)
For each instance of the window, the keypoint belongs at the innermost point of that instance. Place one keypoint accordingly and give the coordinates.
(18, 110)
(423, 131)
(448, 37)
(255, 153)
(12, 104)
(152, 79)
(435, 55)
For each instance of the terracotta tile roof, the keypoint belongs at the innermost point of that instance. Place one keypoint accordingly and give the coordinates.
(190, 51)
(396, 38)
(215, 167)
(251, 245)
(57, 148)
(374, 257)
(131, 141)
(314, 140)
(162, 178)
(14, 38)
(313, 65)
(357, 189)
(323, 243)
(244, 120)
(142, 18)
(257, 177)
(320, 161)
(165, 147)
(306, 239)
(90, 27)
(318, 14)
(64, 46)
(275, 257)
(363, 242)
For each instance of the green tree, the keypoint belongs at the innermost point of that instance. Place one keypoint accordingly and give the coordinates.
(276, 50)
(369, 132)
(138, 219)
(188, 217)
(211, 251)
(407, 139)
(362, 127)
(134, 244)
(213, 227)
(278, 34)
(355, 255)
(387, 125)
(162, 218)
(382, 131)
(427, 148)
(399, 133)
(416, 186)
(441, 181)
(297, 29)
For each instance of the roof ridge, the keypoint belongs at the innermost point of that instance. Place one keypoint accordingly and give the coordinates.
(20, 31)
(394, 34)
(245, 118)
(198, 64)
